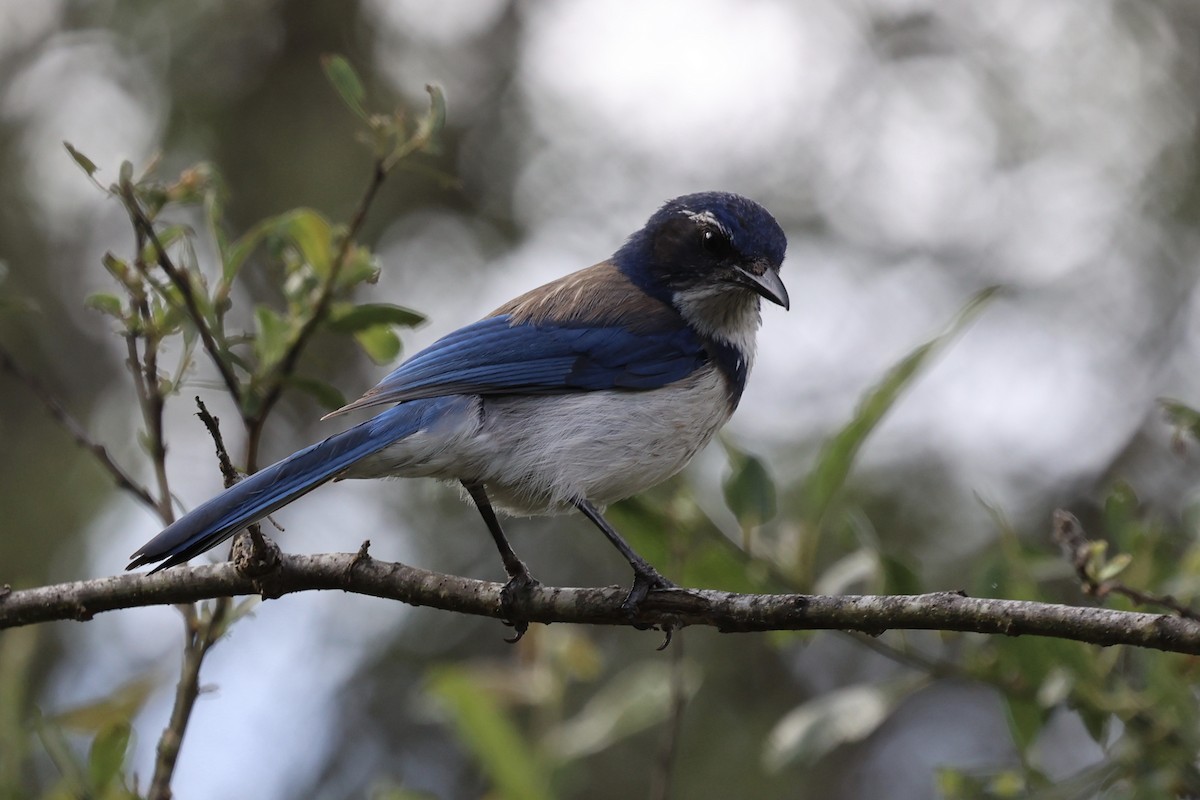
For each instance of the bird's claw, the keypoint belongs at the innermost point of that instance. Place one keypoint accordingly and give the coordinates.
(518, 586)
(668, 633)
(645, 580)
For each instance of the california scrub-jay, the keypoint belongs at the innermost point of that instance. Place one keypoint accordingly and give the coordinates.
(579, 393)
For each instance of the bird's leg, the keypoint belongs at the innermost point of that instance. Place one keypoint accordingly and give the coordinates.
(519, 576)
(645, 576)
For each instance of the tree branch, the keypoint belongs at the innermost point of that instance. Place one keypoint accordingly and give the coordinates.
(287, 365)
(725, 611)
(1082, 554)
(200, 636)
(122, 478)
(142, 224)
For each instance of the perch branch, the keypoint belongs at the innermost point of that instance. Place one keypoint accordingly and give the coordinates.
(725, 611)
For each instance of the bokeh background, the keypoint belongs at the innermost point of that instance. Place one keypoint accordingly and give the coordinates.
(914, 151)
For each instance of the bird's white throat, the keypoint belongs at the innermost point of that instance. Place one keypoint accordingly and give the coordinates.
(729, 315)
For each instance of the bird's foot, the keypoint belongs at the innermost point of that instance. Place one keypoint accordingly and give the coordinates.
(514, 591)
(645, 579)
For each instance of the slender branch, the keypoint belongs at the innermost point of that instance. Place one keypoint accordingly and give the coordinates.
(145, 227)
(150, 394)
(725, 611)
(200, 637)
(213, 426)
(154, 426)
(60, 415)
(287, 364)
(1068, 533)
(661, 781)
(200, 634)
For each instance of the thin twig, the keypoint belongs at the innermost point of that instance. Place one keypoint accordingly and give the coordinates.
(259, 551)
(1077, 548)
(662, 780)
(201, 633)
(60, 415)
(213, 426)
(200, 637)
(287, 364)
(179, 279)
(668, 752)
(150, 392)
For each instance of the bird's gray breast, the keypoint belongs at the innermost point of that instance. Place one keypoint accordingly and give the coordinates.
(536, 455)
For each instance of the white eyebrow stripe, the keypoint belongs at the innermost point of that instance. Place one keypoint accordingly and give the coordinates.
(706, 217)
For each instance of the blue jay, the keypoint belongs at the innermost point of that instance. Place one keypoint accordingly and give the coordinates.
(576, 394)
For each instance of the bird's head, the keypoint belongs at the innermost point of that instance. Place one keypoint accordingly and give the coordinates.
(712, 255)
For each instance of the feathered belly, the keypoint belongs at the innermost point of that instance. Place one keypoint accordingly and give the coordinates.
(536, 455)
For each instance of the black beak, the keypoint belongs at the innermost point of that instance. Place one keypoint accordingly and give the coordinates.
(767, 284)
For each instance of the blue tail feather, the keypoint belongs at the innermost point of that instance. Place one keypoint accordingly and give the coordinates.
(272, 488)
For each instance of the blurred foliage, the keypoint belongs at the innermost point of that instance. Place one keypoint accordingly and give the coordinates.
(317, 263)
(100, 771)
(166, 296)
(566, 713)
(531, 726)
(826, 482)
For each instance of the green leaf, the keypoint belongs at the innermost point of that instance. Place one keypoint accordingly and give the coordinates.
(635, 699)
(1181, 416)
(106, 304)
(65, 759)
(346, 81)
(501, 750)
(347, 318)
(271, 337)
(1114, 567)
(712, 558)
(312, 235)
(361, 266)
(21, 660)
(85, 163)
(1025, 719)
(1121, 506)
(898, 577)
(325, 394)
(116, 267)
(107, 755)
(828, 478)
(235, 254)
(851, 572)
(387, 791)
(432, 121)
(1002, 784)
(816, 727)
(121, 705)
(749, 490)
(379, 343)
(167, 236)
(1096, 721)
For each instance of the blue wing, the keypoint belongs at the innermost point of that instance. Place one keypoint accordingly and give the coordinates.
(497, 356)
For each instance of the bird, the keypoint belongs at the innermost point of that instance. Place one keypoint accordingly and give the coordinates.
(574, 395)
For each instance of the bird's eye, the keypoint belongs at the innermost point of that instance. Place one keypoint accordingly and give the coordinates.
(714, 241)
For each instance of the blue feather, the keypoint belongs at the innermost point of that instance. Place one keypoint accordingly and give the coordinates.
(279, 484)
(495, 356)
